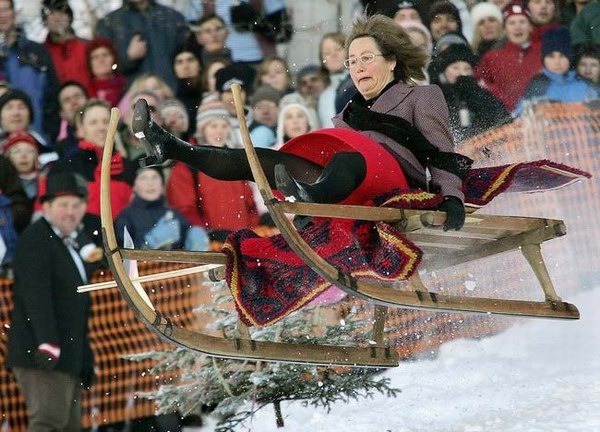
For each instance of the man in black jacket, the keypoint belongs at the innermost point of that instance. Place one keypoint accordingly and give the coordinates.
(48, 346)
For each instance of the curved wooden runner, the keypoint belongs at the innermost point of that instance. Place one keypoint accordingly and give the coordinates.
(503, 234)
(237, 348)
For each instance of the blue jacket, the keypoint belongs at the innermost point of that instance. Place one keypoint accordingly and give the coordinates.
(28, 67)
(559, 88)
(163, 28)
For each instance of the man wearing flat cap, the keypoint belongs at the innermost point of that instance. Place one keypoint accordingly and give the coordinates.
(48, 346)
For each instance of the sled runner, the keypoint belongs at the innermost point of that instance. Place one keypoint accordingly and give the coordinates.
(482, 236)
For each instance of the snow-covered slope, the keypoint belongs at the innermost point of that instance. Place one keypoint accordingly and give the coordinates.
(538, 376)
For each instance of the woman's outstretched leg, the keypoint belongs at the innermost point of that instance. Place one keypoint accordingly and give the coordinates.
(338, 179)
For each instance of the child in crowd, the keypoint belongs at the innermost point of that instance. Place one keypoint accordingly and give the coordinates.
(107, 82)
(294, 120)
(587, 62)
(151, 222)
(558, 81)
(275, 72)
(264, 116)
(473, 109)
(214, 205)
(23, 150)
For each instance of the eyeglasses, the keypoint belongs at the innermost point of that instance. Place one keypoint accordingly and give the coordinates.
(364, 59)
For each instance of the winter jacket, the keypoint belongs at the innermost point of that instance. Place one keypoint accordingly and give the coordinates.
(425, 108)
(141, 216)
(162, 27)
(109, 89)
(70, 60)
(506, 71)
(47, 307)
(10, 186)
(326, 104)
(209, 203)
(473, 109)
(585, 27)
(28, 67)
(560, 88)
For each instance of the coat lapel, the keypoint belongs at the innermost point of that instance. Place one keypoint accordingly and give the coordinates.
(394, 97)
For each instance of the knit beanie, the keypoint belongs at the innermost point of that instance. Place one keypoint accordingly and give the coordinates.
(485, 10)
(444, 7)
(455, 53)
(265, 92)
(514, 9)
(19, 137)
(557, 39)
(282, 111)
(210, 109)
(236, 73)
(15, 94)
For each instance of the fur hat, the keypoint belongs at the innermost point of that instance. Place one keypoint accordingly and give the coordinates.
(265, 92)
(514, 9)
(557, 39)
(20, 136)
(455, 53)
(15, 94)
(65, 183)
(444, 7)
(485, 10)
(236, 73)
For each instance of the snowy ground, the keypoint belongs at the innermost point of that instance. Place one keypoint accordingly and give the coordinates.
(538, 376)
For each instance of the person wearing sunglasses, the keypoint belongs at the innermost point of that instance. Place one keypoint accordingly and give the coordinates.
(387, 137)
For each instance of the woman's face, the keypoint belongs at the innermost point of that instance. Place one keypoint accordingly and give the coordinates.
(94, 125)
(186, 65)
(518, 29)
(295, 122)
(212, 35)
(148, 185)
(589, 67)
(332, 54)
(541, 11)
(102, 62)
(23, 156)
(276, 76)
(442, 24)
(370, 78)
(216, 132)
(489, 29)
(15, 116)
(457, 69)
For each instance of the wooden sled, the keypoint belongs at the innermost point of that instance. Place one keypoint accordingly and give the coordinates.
(482, 236)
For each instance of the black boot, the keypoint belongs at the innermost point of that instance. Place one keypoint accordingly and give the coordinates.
(288, 186)
(154, 138)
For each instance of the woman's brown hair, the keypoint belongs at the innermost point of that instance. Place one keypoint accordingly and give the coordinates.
(394, 43)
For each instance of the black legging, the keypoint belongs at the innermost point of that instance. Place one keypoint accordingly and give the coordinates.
(331, 184)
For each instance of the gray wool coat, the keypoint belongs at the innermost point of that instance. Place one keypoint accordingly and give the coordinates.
(425, 108)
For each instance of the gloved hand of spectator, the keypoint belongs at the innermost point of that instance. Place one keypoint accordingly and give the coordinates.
(46, 357)
(196, 239)
(455, 213)
(165, 233)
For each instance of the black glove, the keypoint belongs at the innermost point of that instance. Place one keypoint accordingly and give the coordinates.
(46, 357)
(455, 213)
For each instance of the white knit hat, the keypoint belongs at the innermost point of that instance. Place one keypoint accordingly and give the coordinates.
(484, 10)
(283, 108)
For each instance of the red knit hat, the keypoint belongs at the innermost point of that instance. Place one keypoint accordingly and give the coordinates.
(514, 9)
(20, 136)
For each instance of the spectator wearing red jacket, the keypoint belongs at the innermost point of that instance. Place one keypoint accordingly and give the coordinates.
(68, 52)
(506, 71)
(107, 82)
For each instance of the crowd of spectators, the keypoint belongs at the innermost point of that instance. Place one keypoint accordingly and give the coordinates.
(492, 59)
